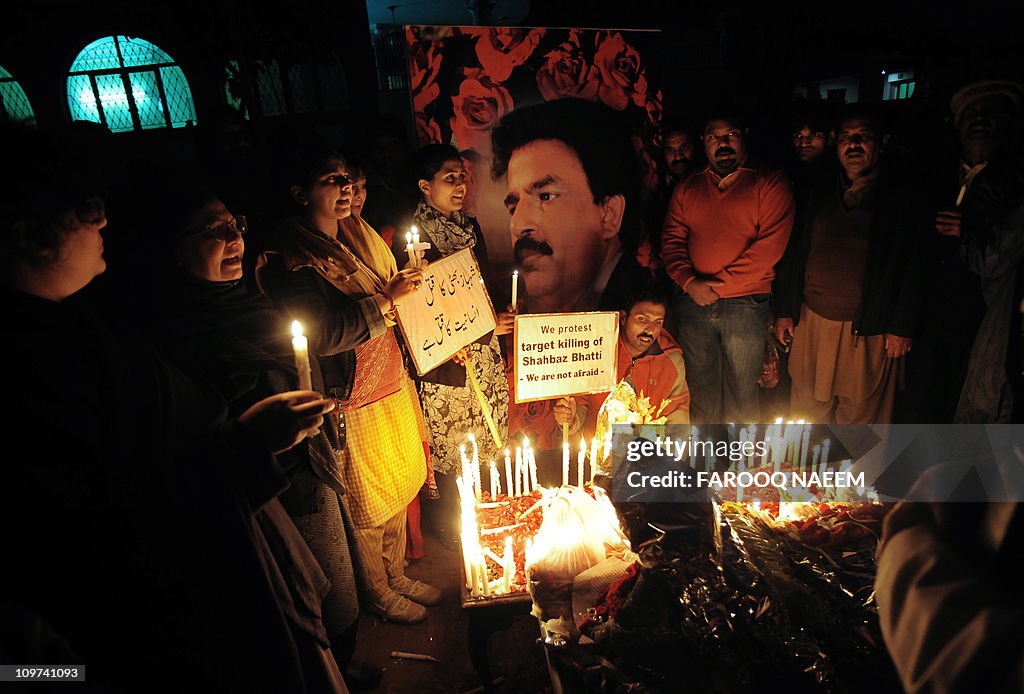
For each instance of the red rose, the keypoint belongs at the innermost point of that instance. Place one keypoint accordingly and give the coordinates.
(478, 108)
(623, 78)
(653, 107)
(501, 49)
(566, 73)
(424, 62)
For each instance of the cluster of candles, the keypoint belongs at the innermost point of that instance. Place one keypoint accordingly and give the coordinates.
(474, 556)
(581, 459)
(519, 481)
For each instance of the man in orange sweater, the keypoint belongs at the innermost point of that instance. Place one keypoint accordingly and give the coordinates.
(649, 360)
(725, 230)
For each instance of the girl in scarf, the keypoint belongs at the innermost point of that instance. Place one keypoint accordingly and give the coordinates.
(320, 260)
(450, 406)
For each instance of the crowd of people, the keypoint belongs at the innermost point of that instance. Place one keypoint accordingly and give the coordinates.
(180, 498)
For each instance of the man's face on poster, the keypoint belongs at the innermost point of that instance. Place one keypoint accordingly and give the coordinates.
(559, 233)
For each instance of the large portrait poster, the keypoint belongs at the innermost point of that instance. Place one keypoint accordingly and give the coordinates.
(464, 79)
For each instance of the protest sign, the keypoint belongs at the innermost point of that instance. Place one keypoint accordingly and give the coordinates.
(559, 354)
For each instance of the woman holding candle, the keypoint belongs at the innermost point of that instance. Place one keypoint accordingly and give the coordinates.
(450, 405)
(157, 502)
(321, 259)
(217, 328)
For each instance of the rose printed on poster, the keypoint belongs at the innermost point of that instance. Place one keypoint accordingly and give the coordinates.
(566, 72)
(501, 49)
(478, 107)
(623, 78)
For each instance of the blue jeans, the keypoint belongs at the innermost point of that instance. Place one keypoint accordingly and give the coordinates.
(723, 348)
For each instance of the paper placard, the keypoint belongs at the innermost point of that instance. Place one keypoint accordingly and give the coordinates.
(560, 354)
(450, 310)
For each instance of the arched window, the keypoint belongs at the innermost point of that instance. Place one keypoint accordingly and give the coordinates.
(14, 102)
(129, 84)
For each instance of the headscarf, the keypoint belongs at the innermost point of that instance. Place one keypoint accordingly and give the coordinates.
(447, 235)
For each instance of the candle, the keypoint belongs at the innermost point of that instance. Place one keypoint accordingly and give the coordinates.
(483, 575)
(515, 289)
(508, 473)
(301, 347)
(565, 464)
(494, 481)
(415, 246)
(519, 471)
(533, 470)
(817, 456)
(767, 450)
(409, 249)
(509, 565)
(824, 450)
(593, 458)
(475, 467)
(803, 448)
(581, 460)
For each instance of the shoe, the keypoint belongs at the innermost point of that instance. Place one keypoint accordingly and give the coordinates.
(415, 590)
(398, 609)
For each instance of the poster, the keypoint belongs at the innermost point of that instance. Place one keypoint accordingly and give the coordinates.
(559, 354)
(450, 310)
(465, 79)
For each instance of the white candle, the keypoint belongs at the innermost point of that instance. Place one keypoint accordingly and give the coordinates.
(519, 471)
(467, 475)
(483, 575)
(533, 470)
(767, 450)
(581, 460)
(494, 481)
(509, 564)
(409, 249)
(824, 450)
(803, 449)
(593, 458)
(415, 239)
(515, 289)
(301, 347)
(508, 473)
(475, 467)
(817, 456)
(565, 464)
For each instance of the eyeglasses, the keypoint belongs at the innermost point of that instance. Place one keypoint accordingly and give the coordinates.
(224, 229)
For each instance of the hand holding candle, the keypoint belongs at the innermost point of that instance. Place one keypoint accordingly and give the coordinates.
(301, 347)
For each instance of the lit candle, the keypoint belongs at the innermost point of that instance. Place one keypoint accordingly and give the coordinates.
(301, 347)
(494, 481)
(817, 456)
(415, 247)
(565, 463)
(824, 450)
(767, 450)
(508, 473)
(515, 289)
(581, 460)
(409, 249)
(803, 448)
(593, 458)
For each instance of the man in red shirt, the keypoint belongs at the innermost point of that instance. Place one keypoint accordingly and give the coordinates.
(725, 230)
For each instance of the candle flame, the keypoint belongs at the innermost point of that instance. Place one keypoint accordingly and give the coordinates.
(296, 329)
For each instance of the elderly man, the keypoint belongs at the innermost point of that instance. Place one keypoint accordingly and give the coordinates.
(572, 195)
(850, 288)
(725, 230)
(987, 217)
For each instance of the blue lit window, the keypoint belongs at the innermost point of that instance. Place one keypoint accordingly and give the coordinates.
(14, 102)
(129, 84)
